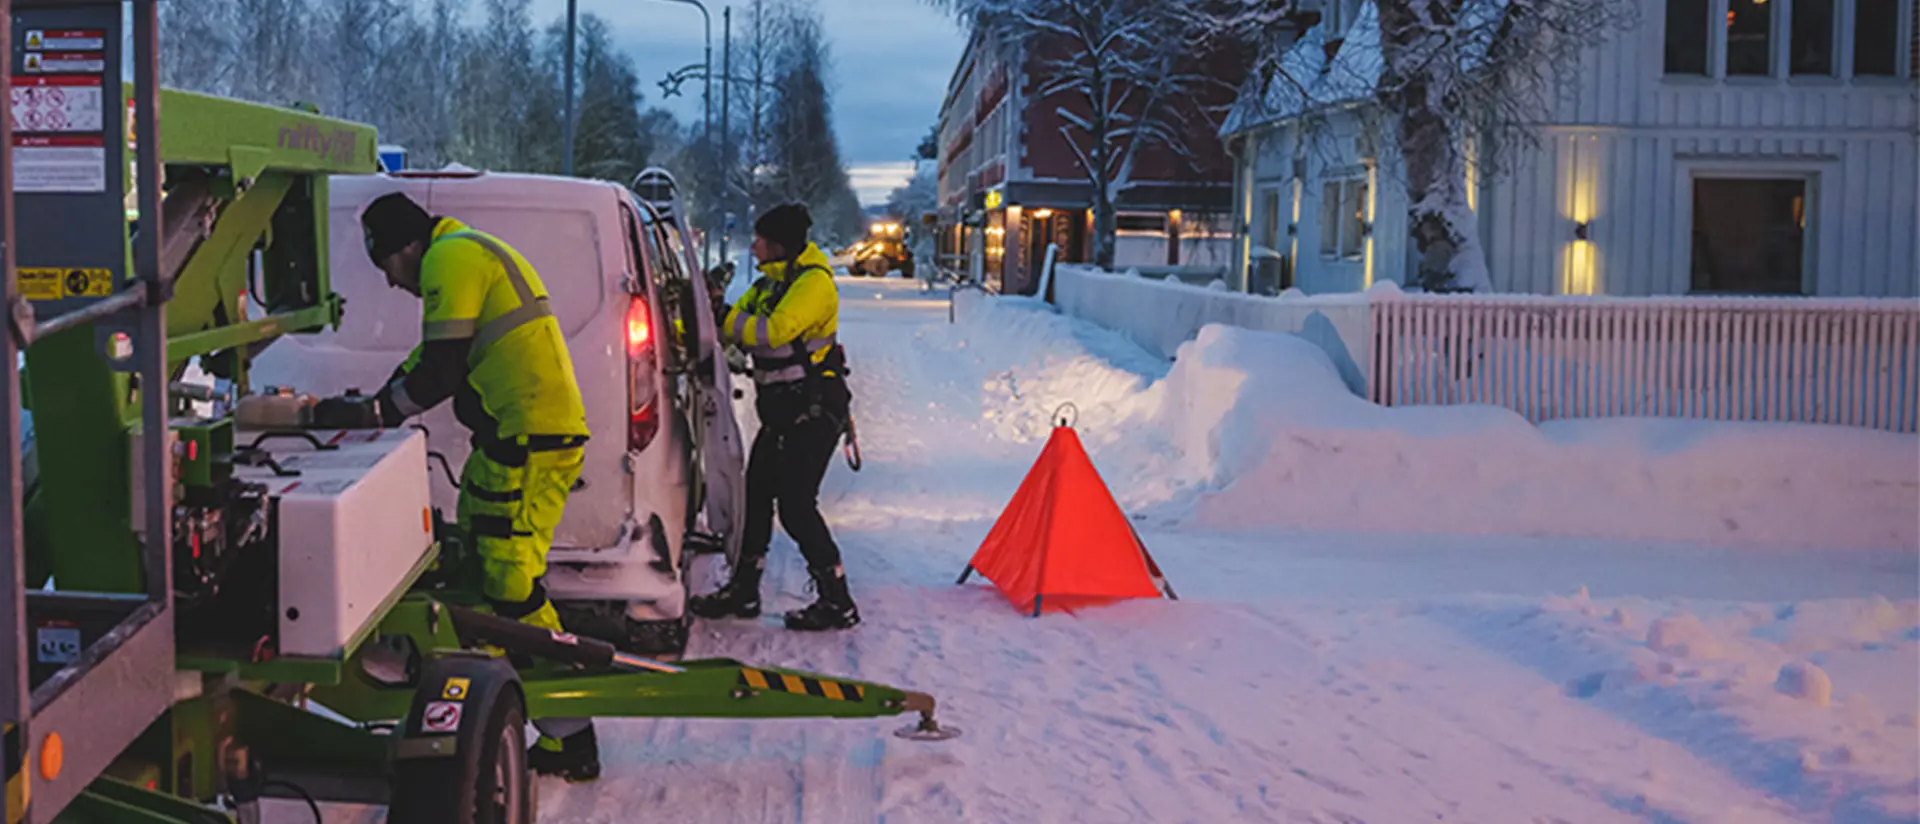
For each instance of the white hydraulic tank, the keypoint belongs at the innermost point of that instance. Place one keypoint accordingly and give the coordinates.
(354, 524)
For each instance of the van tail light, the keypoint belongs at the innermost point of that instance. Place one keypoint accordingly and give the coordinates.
(639, 327)
(643, 413)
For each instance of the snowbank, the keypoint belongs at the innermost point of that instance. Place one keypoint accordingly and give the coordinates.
(1160, 315)
(1256, 430)
(1294, 448)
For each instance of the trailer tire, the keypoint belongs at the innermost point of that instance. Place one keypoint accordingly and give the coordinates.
(486, 780)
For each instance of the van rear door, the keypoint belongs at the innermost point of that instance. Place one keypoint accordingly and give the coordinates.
(710, 399)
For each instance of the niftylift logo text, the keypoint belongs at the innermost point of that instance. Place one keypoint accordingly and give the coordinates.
(338, 145)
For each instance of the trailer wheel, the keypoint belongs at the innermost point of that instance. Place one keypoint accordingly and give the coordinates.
(486, 780)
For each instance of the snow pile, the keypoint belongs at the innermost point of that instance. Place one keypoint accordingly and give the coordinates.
(1254, 430)
(1295, 449)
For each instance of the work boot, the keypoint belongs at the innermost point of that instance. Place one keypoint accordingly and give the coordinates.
(575, 758)
(833, 610)
(740, 598)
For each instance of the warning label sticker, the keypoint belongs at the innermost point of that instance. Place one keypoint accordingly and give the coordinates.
(441, 716)
(66, 63)
(456, 689)
(55, 283)
(58, 104)
(67, 39)
(55, 164)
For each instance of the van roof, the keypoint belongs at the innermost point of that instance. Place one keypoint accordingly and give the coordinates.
(532, 189)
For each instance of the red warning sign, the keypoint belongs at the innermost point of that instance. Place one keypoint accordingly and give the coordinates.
(441, 716)
(65, 62)
(67, 39)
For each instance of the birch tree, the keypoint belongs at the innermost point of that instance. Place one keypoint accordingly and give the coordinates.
(1479, 73)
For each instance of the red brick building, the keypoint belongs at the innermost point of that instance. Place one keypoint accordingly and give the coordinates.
(1010, 184)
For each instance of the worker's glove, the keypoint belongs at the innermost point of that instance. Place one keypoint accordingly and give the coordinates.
(346, 412)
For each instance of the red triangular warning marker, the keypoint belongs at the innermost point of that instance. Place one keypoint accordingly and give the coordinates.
(1063, 542)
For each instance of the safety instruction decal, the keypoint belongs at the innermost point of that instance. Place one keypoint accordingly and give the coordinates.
(456, 689)
(65, 62)
(66, 39)
(57, 283)
(58, 104)
(441, 716)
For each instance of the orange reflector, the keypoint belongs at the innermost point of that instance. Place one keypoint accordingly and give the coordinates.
(53, 756)
(426, 519)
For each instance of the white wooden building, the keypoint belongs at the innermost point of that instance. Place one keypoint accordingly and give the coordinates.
(1721, 146)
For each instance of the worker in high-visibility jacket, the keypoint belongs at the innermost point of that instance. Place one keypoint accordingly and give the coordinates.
(788, 322)
(490, 342)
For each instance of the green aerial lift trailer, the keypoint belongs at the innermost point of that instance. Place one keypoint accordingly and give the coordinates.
(149, 668)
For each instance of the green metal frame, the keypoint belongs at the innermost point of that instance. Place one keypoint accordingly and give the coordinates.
(268, 167)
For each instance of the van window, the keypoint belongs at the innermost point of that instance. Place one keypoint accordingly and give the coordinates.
(562, 244)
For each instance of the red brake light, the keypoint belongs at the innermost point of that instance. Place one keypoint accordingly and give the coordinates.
(639, 326)
(643, 421)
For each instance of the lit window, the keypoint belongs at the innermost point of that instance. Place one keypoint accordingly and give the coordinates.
(1343, 217)
(1749, 38)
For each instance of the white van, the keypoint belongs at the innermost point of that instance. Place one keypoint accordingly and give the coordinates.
(665, 466)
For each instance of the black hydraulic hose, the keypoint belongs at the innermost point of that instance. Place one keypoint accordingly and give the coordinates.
(312, 805)
(477, 628)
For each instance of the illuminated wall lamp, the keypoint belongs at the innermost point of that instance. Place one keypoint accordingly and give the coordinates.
(1580, 230)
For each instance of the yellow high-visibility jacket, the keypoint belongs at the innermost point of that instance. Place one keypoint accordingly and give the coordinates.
(519, 377)
(788, 317)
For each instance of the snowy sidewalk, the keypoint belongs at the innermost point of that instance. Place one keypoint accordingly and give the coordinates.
(1303, 677)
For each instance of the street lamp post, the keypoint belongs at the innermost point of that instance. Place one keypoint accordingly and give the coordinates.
(566, 129)
(706, 100)
(566, 163)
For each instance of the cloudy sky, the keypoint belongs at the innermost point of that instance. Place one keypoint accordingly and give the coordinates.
(892, 60)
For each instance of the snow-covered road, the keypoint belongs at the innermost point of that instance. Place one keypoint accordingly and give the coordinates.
(1303, 677)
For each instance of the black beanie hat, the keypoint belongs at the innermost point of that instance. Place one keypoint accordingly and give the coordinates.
(392, 223)
(787, 225)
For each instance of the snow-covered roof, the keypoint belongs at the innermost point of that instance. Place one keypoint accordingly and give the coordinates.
(1306, 81)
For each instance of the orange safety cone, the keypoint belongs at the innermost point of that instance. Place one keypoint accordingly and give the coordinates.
(1063, 543)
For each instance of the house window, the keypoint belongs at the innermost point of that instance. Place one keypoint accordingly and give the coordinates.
(1749, 37)
(1148, 223)
(1269, 255)
(1687, 37)
(1749, 235)
(1876, 38)
(1343, 217)
(1811, 40)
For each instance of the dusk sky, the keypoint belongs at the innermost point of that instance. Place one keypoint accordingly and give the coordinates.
(892, 60)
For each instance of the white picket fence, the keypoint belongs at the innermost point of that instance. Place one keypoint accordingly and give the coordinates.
(1805, 360)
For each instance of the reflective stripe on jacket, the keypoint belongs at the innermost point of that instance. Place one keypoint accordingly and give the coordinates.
(476, 287)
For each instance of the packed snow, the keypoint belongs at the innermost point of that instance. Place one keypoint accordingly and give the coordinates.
(1387, 615)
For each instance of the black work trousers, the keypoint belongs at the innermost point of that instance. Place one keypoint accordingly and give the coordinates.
(786, 467)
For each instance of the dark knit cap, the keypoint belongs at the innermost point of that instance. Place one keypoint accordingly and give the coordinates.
(392, 223)
(787, 225)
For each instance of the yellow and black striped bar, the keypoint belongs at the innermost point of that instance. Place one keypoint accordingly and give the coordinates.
(798, 685)
(16, 760)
